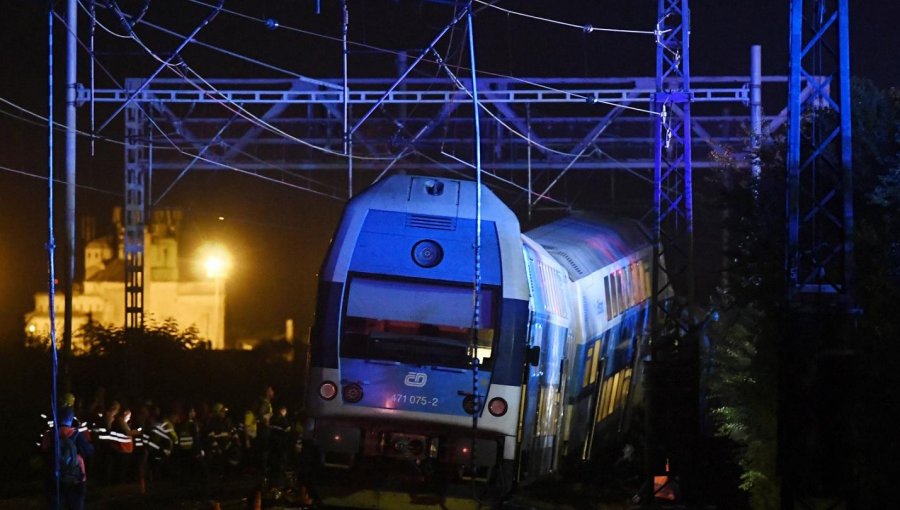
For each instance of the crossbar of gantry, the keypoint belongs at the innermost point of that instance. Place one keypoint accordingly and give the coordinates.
(726, 89)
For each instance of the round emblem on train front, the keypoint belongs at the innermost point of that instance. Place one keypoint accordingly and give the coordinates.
(427, 253)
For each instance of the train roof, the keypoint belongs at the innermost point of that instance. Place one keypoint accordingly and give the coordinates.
(584, 243)
(425, 196)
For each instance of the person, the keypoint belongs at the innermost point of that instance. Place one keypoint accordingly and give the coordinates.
(73, 448)
(143, 424)
(162, 439)
(106, 449)
(122, 442)
(280, 443)
(189, 456)
(264, 413)
(219, 438)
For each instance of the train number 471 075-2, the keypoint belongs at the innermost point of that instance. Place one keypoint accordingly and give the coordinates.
(403, 398)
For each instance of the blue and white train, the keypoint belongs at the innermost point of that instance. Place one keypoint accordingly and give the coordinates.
(562, 316)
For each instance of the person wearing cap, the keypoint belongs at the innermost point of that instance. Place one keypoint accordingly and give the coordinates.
(219, 437)
(71, 495)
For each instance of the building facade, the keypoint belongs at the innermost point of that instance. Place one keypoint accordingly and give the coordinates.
(168, 294)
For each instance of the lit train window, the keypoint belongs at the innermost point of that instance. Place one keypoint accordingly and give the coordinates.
(595, 361)
(619, 295)
(648, 279)
(639, 281)
(626, 283)
(415, 322)
(587, 363)
(626, 386)
(552, 283)
(615, 298)
(609, 308)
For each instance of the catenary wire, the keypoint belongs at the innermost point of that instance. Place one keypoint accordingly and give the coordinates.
(174, 146)
(587, 99)
(57, 181)
(585, 28)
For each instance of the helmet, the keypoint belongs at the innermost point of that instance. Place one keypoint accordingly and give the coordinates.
(67, 400)
(219, 408)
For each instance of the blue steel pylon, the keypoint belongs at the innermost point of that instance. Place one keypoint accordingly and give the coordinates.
(672, 230)
(819, 258)
(672, 214)
(818, 383)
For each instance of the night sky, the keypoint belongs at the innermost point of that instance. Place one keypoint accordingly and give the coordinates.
(278, 235)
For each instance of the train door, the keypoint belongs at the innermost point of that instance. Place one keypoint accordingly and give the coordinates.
(541, 408)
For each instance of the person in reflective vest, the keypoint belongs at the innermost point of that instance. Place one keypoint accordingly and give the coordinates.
(73, 448)
(220, 438)
(190, 454)
(162, 440)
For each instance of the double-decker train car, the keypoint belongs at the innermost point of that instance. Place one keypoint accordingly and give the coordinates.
(409, 370)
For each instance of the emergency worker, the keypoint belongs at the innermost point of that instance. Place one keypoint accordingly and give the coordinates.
(264, 413)
(219, 443)
(73, 448)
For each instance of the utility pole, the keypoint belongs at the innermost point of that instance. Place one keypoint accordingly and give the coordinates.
(71, 89)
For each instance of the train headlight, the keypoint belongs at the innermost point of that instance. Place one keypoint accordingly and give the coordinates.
(328, 390)
(352, 393)
(497, 406)
(427, 253)
(470, 404)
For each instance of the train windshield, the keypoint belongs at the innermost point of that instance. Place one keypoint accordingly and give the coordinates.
(416, 322)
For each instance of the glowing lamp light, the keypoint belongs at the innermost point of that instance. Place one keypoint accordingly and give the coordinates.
(216, 261)
(32, 328)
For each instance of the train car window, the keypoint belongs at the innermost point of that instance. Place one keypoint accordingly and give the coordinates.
(595, 361)
(619, 294)
(639, 281)
(614, 390)
(613, 295)
(588, 359)
(414, 322)
(626, 386)
(648, 279)
(634, 283)
(626, 284)
(608, 302)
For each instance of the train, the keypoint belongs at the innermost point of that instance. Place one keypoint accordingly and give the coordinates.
(448, 341)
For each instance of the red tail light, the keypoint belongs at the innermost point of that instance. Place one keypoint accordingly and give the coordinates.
(328, 390)
(497, 406)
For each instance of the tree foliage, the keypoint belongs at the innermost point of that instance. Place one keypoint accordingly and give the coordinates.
(104, 340)
(746, 339)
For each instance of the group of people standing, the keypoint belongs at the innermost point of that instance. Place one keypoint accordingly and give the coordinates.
(182, 443)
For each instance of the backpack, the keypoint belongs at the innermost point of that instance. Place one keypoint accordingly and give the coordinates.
(70, 472)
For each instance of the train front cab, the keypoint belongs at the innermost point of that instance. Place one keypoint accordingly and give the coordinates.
(390, 377)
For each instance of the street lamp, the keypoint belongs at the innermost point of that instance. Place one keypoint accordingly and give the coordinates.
(217, 265)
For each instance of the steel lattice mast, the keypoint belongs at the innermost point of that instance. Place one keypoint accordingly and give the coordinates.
(819, 358)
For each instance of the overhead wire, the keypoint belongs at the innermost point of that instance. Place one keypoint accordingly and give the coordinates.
(461, 86)
(57, 181)
(441, 63)
(587, 99)
(165, 63)
(585, 28)
(234, 107)
(230, 104)
(173, 145)
(274, 129)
